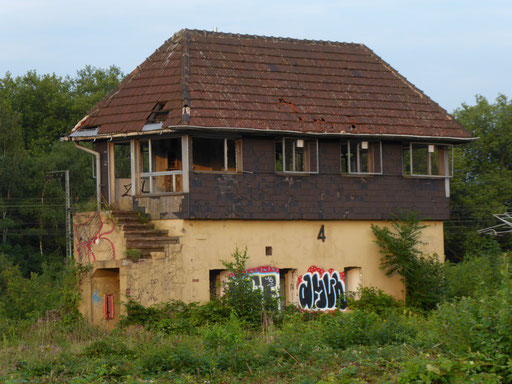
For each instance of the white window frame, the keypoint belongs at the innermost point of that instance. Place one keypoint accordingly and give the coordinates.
(294, 140)
(149, 175)
(238, 154)
(450, 162)
(358, 160)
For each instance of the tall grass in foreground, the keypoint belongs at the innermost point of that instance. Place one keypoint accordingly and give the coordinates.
(465, 339)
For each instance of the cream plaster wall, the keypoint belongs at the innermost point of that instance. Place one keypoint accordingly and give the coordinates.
(294, 245)
(182, 272)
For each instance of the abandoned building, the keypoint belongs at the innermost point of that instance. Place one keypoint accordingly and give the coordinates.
(288, 148)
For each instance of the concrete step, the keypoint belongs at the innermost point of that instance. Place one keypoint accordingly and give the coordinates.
(154, 239)
(145, 245)
(137, 226)
(128, 233)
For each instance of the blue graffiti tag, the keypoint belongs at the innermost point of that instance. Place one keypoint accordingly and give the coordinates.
(97, 300)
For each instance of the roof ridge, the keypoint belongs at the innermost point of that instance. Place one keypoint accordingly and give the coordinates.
(263, 37)
(185, 75)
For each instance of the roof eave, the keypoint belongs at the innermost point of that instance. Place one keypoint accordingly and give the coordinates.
(183, 128)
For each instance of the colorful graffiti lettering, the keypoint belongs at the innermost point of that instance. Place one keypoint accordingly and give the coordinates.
(97, 300)
(265, 278)
(322, 290)
(91, 234)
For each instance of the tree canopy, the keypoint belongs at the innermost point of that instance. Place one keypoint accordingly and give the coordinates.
(35, 112)
(482, 183)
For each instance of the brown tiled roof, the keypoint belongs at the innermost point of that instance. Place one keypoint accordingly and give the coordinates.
(274, 84)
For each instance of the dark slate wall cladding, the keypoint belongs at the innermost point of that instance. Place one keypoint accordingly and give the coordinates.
(262, 194)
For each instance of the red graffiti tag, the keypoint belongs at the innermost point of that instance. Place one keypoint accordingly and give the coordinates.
(86, 240)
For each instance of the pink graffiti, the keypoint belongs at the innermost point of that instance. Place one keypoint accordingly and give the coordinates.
(90, 233)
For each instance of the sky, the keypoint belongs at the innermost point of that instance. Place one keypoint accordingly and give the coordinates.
(450, 49)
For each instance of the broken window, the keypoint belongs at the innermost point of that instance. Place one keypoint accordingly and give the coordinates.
(434, 160)
(361, 157)
(216, 154)
(160, 165)
(296, 155)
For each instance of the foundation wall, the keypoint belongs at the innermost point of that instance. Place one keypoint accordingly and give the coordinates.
(185, 271)
(294, 245)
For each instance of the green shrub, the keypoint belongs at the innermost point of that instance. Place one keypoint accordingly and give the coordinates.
(248, 303)
(108, 346)
(55, 291)
(440, 369)
(421, 274)
(474, 276)
(179, 357)
(175, 316)
(372, 299)
(133, 254)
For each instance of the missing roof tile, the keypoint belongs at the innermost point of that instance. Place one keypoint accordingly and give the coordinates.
(158, 114)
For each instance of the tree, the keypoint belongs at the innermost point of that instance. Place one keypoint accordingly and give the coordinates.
(11, 156)
(482, 184)
(35, 111)
(422, 275)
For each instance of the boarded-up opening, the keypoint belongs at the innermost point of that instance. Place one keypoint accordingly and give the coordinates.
(105, 297)
(287, 286)
(216, 283)
(353, 281)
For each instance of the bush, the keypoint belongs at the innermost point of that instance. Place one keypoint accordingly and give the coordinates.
(421, 274)
(55, 290)
(249, 304)
(372, 299)
(175, 316)
(475, 276)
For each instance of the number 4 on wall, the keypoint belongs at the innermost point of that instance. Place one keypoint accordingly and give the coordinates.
(321, 234)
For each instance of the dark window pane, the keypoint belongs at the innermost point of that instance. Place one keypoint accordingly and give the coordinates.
(166, 155)
(279, 156)
(122, 160)
(311, 156)
(144, 156)
(420, 159)
(406, 153)
(344, 157)
(208, 154)
(231, 143)
(363, 159)
(299, 158)
(289, 153)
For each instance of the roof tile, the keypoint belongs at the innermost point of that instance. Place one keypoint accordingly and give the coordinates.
(274, 84)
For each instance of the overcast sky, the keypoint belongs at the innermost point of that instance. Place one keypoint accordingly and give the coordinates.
(451, 49)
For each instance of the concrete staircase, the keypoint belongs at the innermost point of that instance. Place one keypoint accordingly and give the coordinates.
(143, 236)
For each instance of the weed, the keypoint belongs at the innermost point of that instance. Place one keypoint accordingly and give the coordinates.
(133, 254)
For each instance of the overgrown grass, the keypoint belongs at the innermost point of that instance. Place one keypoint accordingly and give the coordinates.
(467, 338)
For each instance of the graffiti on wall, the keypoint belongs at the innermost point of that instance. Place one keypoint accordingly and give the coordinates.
(265, 278)
(322, 290)
(91, 237)
(96, 299)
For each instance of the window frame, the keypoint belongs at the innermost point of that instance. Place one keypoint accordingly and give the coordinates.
(283, 149)
(427, 176)
(149, 175)
(358, 157)
(238, 155)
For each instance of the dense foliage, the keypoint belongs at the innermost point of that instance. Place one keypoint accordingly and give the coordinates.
(482, 183)
(467, 338)
(421, 274)
(35, 111)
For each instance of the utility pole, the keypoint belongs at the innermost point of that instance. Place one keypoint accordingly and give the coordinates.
(69, 235)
